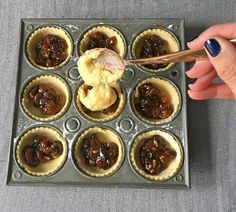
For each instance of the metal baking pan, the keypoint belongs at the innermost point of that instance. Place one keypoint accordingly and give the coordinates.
(71, 124)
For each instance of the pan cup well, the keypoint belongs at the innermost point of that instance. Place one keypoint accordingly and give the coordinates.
(166, 89)
(105, 135)
(41, 33)
(53, 82)
(47, 168)
(170, 142)
(168, 43)
(106, 31)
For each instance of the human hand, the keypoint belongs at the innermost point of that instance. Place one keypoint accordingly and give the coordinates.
(221, 63)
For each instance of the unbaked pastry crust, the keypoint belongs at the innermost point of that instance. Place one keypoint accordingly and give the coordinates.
(41, 33)
(167, 88)
(171, 45)
(120, 46)
(170, 141)
(53, 82)
(104, 135)
(49, 167)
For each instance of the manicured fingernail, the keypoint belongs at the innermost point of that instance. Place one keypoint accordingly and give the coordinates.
(213, 47)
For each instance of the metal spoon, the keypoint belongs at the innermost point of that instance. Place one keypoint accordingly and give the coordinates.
(112, 61)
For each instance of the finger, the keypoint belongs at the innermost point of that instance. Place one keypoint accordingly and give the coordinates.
(222, 55)
(200, 69)
(214, 91)
(225, 30)
(203, 82)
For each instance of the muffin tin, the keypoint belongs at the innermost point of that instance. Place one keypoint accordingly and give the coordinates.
(71, 123)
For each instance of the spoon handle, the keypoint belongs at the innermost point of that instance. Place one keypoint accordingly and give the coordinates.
(181, 56)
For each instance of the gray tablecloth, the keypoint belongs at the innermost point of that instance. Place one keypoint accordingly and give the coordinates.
(212, 124)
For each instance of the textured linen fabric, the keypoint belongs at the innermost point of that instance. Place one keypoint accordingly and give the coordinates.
(212, 124)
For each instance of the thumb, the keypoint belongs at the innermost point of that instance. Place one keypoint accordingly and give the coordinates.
(222, 55)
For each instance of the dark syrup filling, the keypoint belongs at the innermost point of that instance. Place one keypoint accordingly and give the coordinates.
(99, 154)
(155, 156)
(41, 150)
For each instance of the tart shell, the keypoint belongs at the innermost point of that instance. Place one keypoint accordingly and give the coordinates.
(43, 169)
(104, 135)
(53, 82)
(120, 46)
(171, 45)
(168, 89)
(41, 33)
(171, 142)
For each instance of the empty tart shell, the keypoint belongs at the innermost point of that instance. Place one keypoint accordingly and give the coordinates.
(40, 34)
(120, 46)
(99, 116)
(43, 169)
(170, 141)
(166, 88)
(104, 135)
(171, 44)
(56, 84)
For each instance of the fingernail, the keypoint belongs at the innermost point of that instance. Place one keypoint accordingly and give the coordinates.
(187, 72)
(189, 92)
(213, 47)
(190, 86)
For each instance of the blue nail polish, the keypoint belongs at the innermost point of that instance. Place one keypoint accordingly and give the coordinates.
(213, 47)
